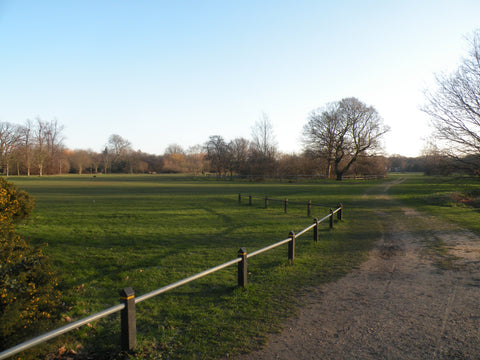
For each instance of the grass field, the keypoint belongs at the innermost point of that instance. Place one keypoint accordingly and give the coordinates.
(453, 198)
(108, 232)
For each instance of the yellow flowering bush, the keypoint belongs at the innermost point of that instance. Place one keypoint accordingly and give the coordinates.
(29, 296)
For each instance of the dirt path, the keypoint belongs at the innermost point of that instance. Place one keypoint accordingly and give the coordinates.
(412, 299)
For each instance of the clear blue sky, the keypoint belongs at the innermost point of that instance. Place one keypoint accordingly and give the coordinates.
(163, 72)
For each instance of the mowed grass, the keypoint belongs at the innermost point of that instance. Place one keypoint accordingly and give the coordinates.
(452, 198)
(105, 233)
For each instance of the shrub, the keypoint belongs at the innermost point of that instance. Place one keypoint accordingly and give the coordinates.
(18, 204)
(29, 298)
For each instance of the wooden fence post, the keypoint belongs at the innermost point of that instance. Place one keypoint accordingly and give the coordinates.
(242, 268)
(291, 247)
(250, 199)
(331, 218)
(315, 230)
(286, 205)
(309, 208)
(266, 202)
(239, 198)
(128, 322)
(339, 213)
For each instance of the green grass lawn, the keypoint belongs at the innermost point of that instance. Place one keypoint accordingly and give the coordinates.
(108, 232)
(453, 198)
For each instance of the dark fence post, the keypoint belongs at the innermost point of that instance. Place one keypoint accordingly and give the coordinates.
(339, 213)
(315, 230)
(249, 199)
(242, 268)
(266, 202)
(128, 322)
(239, 198)
(331, 218)
(309, 208)
(291, 247)
(286, 205)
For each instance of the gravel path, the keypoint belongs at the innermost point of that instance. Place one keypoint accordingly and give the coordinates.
(407, 301)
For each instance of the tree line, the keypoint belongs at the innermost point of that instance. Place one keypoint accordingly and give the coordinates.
(37, 148)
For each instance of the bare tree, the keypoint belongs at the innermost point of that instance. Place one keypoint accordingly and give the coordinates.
(26, 144)
(117, 152)
(263, 148)
(80, 160)
(321, 134)
(174, 149)
(195, 159)
(48, 150)
(454, 106)
(341, 132)
(95, 159)
(263, 138)
(174, 159)
(239, 149)
(40, 149)
(218, 153)
(55, 149)
(10, 136)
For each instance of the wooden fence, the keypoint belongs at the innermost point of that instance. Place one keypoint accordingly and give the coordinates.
(128, 299)
(265, 200)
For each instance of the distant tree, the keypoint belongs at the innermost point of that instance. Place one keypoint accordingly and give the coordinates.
(239, 151)
(106, 159)
(341, 132)
(26, 145)
(80, 160)
(136, 162)
(117, 152)
(174, 159)
(369, 166)
(263, 147)
(48, 150)
(118, 146)
(454, 106)
(10, 137)
(155, 162)
(95, 161)
(56, 156)
(263, 137)
(174, 149)
(435, 161)
(291, 165)
(195, 159)
(218, 153)
(40, 149)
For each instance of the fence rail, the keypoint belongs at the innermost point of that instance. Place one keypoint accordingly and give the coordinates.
(128, 299)
(286, 202)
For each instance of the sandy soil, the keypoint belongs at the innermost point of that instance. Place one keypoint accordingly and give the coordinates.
(406, 301)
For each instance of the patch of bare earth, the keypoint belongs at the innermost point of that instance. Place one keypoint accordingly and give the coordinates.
(400, 304)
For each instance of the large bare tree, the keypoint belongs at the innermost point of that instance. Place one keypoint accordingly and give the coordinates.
(342, 131)
(454, 105)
